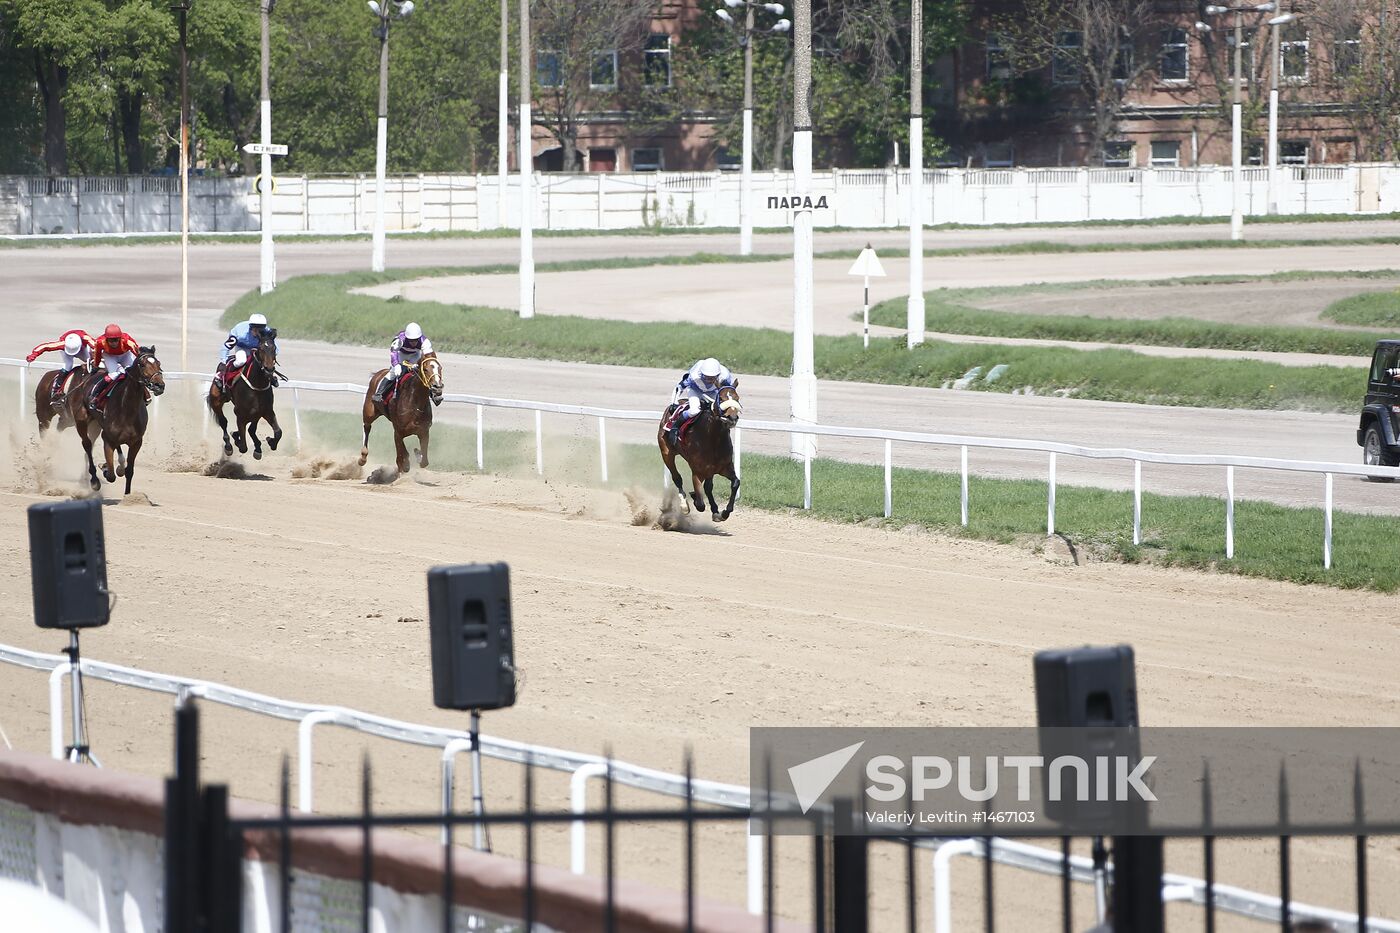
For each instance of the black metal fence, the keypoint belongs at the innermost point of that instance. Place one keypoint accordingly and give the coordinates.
(205, 847)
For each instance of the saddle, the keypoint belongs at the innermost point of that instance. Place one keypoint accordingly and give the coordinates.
(673, 414)
(229, 375)
(98, 401)
(389, 393)
(63, 381)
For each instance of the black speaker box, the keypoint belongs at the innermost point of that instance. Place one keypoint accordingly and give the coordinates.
(68, 564)
(1078, 687)
(469, 621)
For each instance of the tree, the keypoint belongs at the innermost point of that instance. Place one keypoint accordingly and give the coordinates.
(1098, 50)
(578, 49)
(1364, 57)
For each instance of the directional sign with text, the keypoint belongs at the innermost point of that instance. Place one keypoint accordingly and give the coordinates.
(265, 148)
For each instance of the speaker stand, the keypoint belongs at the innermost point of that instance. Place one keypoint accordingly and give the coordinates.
(480, 840)
(1100, 852)
(78, 752)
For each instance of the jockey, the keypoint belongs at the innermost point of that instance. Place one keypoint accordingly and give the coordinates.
(408, 348)
(242, 339)
(77, 347)
(116, 350)
(700, 385)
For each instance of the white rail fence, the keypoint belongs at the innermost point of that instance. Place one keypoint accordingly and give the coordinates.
(963, 443)
(38, 206)
(583, 767)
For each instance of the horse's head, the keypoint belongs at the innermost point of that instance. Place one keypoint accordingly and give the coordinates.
(727, 406)
(430, 372)
(266, 353)
(147, 371)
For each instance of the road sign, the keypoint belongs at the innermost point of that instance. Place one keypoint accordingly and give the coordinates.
(867, 264)
(265, 148)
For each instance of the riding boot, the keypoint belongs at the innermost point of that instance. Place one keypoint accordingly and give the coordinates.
(97, 387)
(380, 389)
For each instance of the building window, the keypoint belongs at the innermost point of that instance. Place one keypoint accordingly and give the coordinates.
(998, 155)
(602, 160)
(998, 58)
(1064, 64)
(727, 161)
(1253, 153)
(1174, 56)
(1346, 52)
(1118, 153)
(1246, 59)
(646, 160)
(1166, 153)
(1293, 152)
(603, 74)
(547, 70)
(656, 61)
(1293, 53)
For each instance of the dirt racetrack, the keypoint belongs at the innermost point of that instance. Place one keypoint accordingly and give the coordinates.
(648, 642)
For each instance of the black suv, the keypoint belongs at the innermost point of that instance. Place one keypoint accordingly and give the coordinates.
(1379, 434)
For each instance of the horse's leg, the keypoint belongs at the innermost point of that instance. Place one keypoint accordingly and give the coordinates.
(217, 407)
(107, 472)
(369, 415)
(86, 433)
(710, 495)
(240, 437)
(121, 460)
(699, 491)
(253, 433)
(400, 451)
(423, 447)
(669, 458)
(733, 492)
(131, 450)
(271, 418)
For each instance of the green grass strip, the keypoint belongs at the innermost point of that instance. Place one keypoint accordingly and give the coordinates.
(320, 307)
(955, 311)
(1271, 541)
(1368, 309)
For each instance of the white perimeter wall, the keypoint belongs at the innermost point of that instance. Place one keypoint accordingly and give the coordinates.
(855, 198)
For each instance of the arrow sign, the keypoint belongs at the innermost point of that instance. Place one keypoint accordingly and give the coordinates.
(867, 264)
(265, 149)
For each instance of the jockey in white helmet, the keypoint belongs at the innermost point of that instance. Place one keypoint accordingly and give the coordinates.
(241, 341)
(408, 348)
(700, 384)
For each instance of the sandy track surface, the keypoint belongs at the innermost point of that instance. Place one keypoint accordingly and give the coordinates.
(649, 642)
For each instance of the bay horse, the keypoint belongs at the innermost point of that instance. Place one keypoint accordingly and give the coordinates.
(122, 420)
(409, 408)
(706, 446)
(46, 405)
(251, 393)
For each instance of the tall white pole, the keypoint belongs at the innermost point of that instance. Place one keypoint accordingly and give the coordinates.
(1273, 123)
(381, 146)
(746, 179)
(184, 9)
(915, 323)
(525, 157)
(268, 268)
(804, 379)
(1236, 118)
(503, 120)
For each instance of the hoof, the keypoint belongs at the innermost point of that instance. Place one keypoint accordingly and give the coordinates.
(228, 450)
(242, 447)
(685, 505)
(96, 484)
(699, 503)
(363, 457)
(714, 517)
(108, 475)
(257, 453)
(272, 442)
(121, 470)
(722, 516)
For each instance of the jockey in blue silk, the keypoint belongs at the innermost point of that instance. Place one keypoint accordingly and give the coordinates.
(700, 385)
(408, 348)
(242, 340)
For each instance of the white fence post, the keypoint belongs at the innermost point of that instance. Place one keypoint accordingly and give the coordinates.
(738, 460)
(603, 445)
(964, 485)
(296, 415)
(888, 496)
(807, 481)
(56, 709)
(1327, 527)
(1229, 513)
(23, 380)
(1137, 502)
(539, 443)
(480, 448)
(578, 804)
(755, 875)
(1050, 505)
(305, 757)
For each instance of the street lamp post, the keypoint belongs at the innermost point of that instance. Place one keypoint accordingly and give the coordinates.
(804, 379)
(1236, 114)
(268, 263)
(525, 156)
(914, 325)
(385, 12)
(503, 119)
(746, 41)
(1274, 63)
(183, 8)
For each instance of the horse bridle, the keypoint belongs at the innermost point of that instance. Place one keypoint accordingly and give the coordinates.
(145, 382)
(269, 371)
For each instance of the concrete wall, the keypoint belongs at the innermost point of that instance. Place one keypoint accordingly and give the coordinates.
(598, 201)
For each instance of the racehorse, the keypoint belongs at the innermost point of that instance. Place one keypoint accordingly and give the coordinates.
(45, 406)
(706, 446)
(251, 393)
(409, 408)
(122, 420)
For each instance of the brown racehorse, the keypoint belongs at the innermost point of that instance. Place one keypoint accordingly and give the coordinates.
(252, 398)
(122, 421)
(707, 447)
(409, 409)
(44, 408)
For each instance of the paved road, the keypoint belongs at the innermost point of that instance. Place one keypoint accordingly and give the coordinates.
(48, 289)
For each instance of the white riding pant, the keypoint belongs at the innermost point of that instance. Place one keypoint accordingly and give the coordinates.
(68, 362)
(115, 365)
